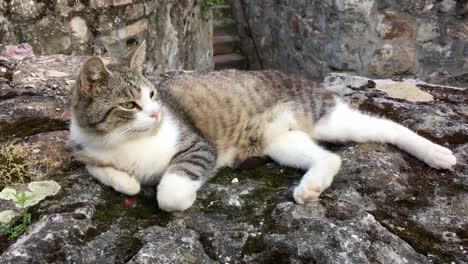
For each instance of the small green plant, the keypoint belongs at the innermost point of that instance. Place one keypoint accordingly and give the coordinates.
(207, 6)
(20, 199)
(13, 232)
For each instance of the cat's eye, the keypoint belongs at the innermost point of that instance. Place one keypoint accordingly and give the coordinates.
(129, 105)
(152, 94)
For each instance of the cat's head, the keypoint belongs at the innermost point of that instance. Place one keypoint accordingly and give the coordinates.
(116, 101)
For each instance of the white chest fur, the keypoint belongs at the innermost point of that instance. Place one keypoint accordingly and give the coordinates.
(146, 158)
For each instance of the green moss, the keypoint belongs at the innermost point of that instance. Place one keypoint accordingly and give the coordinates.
(143, 213)
(254, 245)
(419, 238)
(29, 126)
(273, 177)
(208, 6)
(126, 247)
(206, 239)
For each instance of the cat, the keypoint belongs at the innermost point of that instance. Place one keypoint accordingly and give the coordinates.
(178, 132)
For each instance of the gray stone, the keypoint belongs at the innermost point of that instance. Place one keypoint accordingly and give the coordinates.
(393, 59)
(64, 7)
(318, 37)
(458, 29)
(170, 245)
(428, 30)
(135, 11)
(79, 29)
(26, 9)
(181, 38)
(48, 36)
(393, 26)
(447, 5)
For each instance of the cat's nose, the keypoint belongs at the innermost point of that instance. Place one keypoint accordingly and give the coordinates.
(154, 114)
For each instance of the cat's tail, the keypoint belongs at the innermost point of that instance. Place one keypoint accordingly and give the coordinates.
(346, 124)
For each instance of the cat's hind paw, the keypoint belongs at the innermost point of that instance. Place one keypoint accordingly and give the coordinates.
(176, 193)
(439, 157)
(303, 194)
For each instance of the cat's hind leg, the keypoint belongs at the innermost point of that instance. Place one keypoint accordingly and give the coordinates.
(297, 149)
(346, 124)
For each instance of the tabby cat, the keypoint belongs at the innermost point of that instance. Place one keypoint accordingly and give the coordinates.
(178, 134)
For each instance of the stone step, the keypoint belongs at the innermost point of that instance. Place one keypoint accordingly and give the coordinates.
(221, 11)
(230, 61)
(225, 44)
(224, 27)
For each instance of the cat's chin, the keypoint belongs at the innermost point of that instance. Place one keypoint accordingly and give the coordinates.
(142, 132)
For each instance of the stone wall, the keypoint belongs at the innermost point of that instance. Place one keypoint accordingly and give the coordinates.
(376, 38)
(178, 36)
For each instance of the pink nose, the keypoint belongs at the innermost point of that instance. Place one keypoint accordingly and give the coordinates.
(154, 114)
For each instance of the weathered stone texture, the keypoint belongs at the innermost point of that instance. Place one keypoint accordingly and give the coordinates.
(318, 37)
(175, 30)
(458, 30)
(392, 26)
(393, 59)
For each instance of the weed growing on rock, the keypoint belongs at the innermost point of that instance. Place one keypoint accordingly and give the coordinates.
(12, 167)
(15, 231)
(208, 6)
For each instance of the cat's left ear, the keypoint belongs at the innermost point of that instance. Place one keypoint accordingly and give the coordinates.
(92, 73)
(136, 57)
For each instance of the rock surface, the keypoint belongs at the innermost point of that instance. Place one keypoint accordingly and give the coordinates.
(374, 38)
(384, 206)
(177, 34)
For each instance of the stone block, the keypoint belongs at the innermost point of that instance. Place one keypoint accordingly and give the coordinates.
(79, 29)
(121, 2)
(393, 59)
(63, 7)
(393, 26)
(26, 8)
(428, 30)
(447, 5)
(100, 3)
(133, 29)
(135, 11)
(458, 29)
(48, 36)
(16, 52)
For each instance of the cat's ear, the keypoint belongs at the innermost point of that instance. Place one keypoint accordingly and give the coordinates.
(136, 57)
(93, 72)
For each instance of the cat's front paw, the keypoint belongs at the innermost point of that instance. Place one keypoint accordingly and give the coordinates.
(127, 185)
(439, 157)
(176, 193)
(119, 180)
(305, 194)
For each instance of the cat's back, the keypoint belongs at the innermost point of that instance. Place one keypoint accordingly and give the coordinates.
(253, 90)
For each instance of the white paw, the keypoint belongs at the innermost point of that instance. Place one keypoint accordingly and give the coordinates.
(127, 185)
(118, 180)
(176, 193)
(439, 157)
(304, 194)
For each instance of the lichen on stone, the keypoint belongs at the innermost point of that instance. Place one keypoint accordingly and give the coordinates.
(38, 192)
(7, 215)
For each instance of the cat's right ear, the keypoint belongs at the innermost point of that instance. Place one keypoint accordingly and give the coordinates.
(93, 72)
